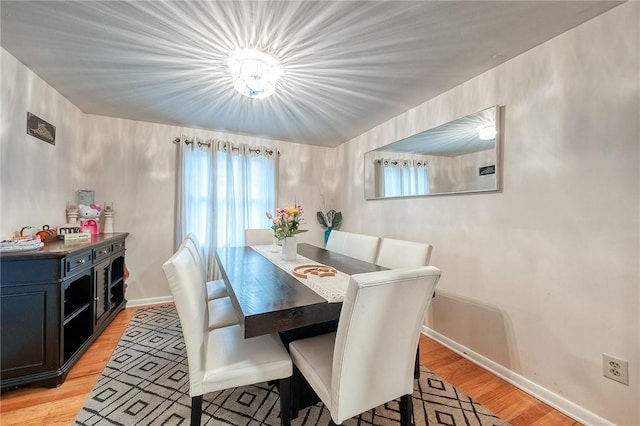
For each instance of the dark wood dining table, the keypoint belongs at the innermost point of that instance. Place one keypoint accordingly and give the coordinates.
(268, 299)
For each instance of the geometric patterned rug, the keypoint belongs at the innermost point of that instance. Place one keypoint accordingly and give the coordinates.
(146, 383)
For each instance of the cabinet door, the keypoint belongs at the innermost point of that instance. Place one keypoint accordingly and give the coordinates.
(101, 280)
(30, 331)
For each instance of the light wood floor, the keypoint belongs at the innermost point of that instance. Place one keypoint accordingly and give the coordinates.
(59, 406)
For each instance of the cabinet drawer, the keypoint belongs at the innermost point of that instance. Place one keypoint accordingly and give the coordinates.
(78, 262)
(28, 271)
(117, 246)
(101, 252)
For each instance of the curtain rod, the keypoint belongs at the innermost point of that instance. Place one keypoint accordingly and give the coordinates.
(234, 147)
(386, 162)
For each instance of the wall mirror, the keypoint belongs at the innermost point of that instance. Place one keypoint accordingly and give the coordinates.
(457, 157)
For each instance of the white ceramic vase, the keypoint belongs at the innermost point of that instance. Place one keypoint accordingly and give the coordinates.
(289, 248)
(108, 223)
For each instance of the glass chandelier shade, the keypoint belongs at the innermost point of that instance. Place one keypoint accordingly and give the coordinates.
(487, 131)
(254, 73)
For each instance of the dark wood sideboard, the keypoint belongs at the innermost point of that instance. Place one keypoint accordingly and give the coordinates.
(54, 302)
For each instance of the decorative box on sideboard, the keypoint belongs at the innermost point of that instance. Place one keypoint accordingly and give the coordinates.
(54, 302)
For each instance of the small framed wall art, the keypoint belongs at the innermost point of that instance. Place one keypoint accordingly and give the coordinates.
(85, 196)
(38, 128)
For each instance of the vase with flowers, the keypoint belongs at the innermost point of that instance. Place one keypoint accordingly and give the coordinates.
(286, 225)
(329, 221)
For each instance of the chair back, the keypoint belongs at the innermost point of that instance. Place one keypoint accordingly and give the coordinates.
(188, 290)
(377, 338)
(394, 254)
(358, 246)
(191, 243)
(363, 247)
(258, 237)
(336, 241)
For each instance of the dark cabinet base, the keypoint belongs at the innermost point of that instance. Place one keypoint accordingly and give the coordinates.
(52, 379)
(54, 303)
(24, 334)
(35, 381)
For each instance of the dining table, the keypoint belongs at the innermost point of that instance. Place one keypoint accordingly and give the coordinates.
(267, 298)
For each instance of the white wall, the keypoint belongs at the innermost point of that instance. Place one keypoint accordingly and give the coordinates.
(542, 277)
(130, 163)
(37, 178)
(133, 164)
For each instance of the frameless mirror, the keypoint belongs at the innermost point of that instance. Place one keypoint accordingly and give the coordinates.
(457, 157)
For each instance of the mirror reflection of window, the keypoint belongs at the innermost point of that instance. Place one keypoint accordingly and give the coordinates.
(398, 178)
(458, 154)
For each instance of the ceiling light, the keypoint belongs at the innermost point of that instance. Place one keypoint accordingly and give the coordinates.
(254, 73)
(487, 131)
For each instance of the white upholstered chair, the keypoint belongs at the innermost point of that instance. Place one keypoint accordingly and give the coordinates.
(258, 237)
(222, 358)
(221, 312)
(369, 360)
(336, 241)
(215, 288)
(358, 246)
(394, 254)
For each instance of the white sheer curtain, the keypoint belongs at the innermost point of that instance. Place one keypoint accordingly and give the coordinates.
(223, 189)
(403, 177)
(195, 194)
(246, 185)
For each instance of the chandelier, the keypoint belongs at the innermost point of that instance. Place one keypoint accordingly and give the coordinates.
(254, 73)
(487, 131)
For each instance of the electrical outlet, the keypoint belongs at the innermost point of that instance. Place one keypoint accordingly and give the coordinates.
(615, 369)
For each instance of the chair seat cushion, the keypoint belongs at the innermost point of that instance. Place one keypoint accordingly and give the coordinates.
(216, 289)
(235, 361)
(314, 358)
(221, 313)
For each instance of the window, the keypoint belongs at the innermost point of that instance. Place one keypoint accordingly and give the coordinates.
(245, 192)
(405, 177)
(225, 189)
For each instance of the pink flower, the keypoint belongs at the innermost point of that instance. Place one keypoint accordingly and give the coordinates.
(286, 221)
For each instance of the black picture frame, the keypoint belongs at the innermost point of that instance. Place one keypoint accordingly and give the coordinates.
(85, 196)
(38, 128)
(487, 170)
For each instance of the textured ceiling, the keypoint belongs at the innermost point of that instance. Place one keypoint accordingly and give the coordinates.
(350, 65)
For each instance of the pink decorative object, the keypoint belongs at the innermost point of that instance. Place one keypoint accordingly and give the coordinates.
(90, 225)
(89, 218)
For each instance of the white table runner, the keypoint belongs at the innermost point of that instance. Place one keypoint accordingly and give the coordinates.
(331, 288)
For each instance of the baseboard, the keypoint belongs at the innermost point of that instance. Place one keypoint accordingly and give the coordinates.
(149, 301)
(561, 404)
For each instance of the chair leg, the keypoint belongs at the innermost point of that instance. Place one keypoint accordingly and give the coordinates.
(284, 389)
(416, 368)
(406, 410)
(196, 410)
(295, 399)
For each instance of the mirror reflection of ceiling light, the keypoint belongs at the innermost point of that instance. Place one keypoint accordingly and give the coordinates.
(487, 131)
(254, 73)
